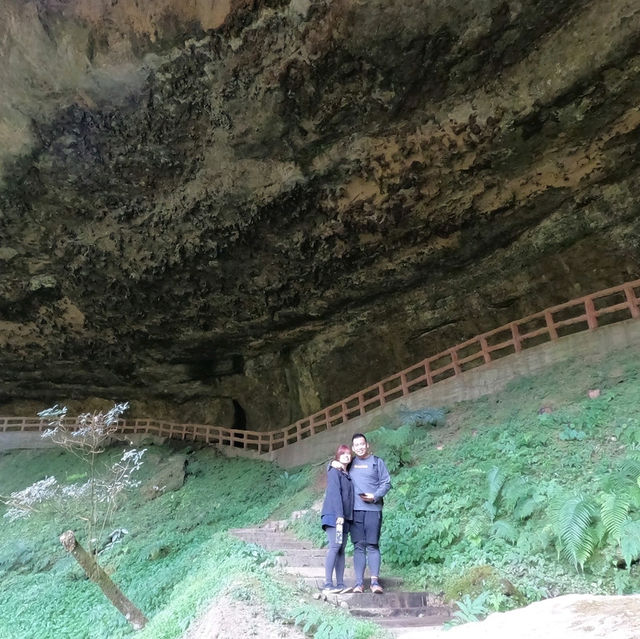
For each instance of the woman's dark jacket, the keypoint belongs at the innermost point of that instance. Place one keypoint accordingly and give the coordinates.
(338, 500)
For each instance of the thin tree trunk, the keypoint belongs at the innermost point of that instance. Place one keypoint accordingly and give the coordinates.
(100, 577)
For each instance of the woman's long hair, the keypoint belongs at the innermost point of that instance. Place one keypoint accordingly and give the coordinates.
(342, 449)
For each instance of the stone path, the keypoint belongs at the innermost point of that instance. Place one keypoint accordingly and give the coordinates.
(397, 610)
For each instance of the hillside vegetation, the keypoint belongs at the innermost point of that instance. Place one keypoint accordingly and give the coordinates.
(525, 494)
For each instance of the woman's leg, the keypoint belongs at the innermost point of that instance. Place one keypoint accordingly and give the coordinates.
(332, 555)
(340, 560)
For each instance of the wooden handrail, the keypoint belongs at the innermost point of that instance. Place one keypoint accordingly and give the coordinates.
(450, 363)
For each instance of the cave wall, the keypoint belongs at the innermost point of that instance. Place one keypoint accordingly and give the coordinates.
(239, 212)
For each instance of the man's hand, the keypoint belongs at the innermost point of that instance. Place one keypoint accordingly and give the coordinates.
(336, 464)
(367, 497)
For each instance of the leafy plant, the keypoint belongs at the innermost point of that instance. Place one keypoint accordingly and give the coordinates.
(630, 542)
(572, 519)
(434, 417)
(570, 434)
(470, 610)
(614, 512)
(315, 622)
(396, 447)
(495, 482)
(504, 530)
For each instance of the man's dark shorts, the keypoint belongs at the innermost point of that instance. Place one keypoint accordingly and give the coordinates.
(366, 526)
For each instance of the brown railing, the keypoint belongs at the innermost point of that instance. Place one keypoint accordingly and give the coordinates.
(612, 305)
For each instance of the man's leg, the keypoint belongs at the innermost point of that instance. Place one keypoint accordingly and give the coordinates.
(373, 524)
(359, 561)
(373, 555)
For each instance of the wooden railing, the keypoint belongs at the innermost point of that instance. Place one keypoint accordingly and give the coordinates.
(612, 305)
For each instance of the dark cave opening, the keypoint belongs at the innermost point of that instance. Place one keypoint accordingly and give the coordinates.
(239, 416)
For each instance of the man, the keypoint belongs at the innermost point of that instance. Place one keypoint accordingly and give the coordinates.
(371, 482)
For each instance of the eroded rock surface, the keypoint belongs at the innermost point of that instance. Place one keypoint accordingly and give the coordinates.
(566, 617)
(237, 212)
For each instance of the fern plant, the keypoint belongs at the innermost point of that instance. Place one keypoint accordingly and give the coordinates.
(504, 530)
(423, 417)
(395, 446)
(495, 482)
(614, 512)
(573, 521)
(620, 507)
(630, 542)
(469, 610)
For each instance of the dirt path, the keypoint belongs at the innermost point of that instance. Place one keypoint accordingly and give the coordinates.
(228, 618)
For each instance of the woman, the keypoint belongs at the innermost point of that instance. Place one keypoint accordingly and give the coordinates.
(336, 518)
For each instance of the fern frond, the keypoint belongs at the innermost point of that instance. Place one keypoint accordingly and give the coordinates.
(504, 530)
(614, 512)
(571, 520)
(490, 509)
(495, 481)
(625, 480)
(525, 508)
(535, 541)
(475, 528)
(631, 465)
(630, 542)
(518, 498)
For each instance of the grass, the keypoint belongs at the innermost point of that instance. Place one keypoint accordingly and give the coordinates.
(469, 515)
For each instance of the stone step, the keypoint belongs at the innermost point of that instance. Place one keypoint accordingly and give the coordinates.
(280, 545)
(300, 560)
(264, 533)
(316, 581)
(417, 620)
(317, 572)
(395, 624)
(303, 553)
(415, 616)
(261, 532)
(273, 541)
(391, 599)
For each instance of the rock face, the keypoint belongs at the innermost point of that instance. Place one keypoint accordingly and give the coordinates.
(566, 617)
(237, 212)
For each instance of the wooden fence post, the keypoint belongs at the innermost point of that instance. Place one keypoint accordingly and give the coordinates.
(516, 337)
(427, 371)
(632, 301)
(484, 347)
(454, 361)
(403, 384)
(590, 310)
(553, 333)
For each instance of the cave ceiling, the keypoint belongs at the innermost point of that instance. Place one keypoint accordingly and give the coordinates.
(240, 211)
